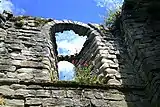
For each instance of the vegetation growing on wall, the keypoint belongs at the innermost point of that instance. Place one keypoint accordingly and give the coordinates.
(2, 102)
(113, 10)
(20, 21)
(83, 75)
(40, 21)
(113, 16)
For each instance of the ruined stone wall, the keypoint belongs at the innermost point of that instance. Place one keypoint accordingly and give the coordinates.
(140, 29)
(108, 54)
(67, 95)
(126, 61)
(25, 52)
(109, 58)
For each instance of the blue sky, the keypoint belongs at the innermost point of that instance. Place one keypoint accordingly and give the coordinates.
(73, 42)
(68, 42)
(78, 10)
(66, 70)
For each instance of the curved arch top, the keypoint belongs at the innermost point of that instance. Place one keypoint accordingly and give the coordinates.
(90, 30)
(78, 27)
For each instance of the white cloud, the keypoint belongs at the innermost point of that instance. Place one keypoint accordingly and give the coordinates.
(9, 6)
(69, 41)
(66, 70)
(109, 4)
(6, 5)
(19, 11)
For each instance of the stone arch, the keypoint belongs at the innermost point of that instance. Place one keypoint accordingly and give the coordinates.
(78, 27)
(100, 50)
(90, 30)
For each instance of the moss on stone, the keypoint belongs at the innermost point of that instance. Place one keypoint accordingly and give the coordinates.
(19, 24)
(19, 20)
(2, 101)
(40, 21)
(77, 84)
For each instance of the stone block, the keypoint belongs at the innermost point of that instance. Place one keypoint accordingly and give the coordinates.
(6, 90)
(103, 67)
(117, 103)
(111, 71)
(14, 103)
(89, 94)
(18, 86)
(83, 102)
(49, 102)
(98, 103)
(25, 63)
(11, 75)
(33, 101)
(25, 76)
(43, 93)
(113, 96)
(22, 93)
(65, 102)
(114, 65)
(2, 75)
(114, 82)
(98, 95)
(58, 93)
(8, 80)
(71, 93)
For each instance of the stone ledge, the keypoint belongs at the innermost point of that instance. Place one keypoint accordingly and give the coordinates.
(73, 84)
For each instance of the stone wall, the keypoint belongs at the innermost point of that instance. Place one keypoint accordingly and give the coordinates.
(107, 54)
(127, 60)
(25, 52)
(67, 95)
(140, 29)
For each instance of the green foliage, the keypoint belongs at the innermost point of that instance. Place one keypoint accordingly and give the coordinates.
(2, 102)
(19, 18)
(19, 23)
(52, 76)
(83, 76)
(113, 10)
(113, 16)
(39, 21)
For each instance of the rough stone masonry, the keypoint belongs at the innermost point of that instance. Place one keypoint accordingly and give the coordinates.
(126, 58)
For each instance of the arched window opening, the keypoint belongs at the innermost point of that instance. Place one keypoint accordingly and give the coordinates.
(66, 70)
(68, 43)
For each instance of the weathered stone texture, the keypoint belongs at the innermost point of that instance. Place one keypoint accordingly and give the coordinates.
(25, 53)
(28, 95)
(109, 58)
(140, 25)
(126, 60)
